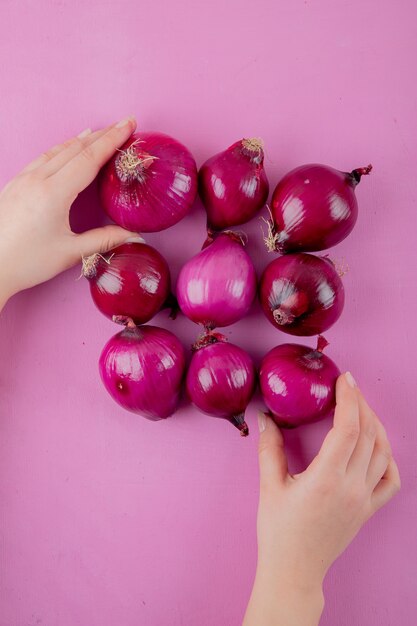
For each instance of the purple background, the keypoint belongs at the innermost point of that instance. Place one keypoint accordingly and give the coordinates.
(107, 518)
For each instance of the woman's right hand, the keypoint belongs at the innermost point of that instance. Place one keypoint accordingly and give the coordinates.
(306, 520)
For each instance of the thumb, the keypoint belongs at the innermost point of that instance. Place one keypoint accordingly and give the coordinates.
(273, 464)
(103, 239)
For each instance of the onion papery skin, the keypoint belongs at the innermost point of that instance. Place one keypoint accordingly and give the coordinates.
(298, 384)
(217, 286)
(157, 192)
(301, 294)
(233, 184)
(131, 281)
(143, 368)
(313, 208)
(221, 381)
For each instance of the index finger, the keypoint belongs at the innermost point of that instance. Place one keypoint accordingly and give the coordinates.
(341, 440)
(81, 170)
(52, 152)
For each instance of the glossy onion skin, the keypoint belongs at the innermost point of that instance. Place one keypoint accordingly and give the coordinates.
(314, 207)
(301, 294)
(221, 381)
(133, 282)
(163, 191)
(143, 368)
(217, 286)
(233, 186)
(298, 384)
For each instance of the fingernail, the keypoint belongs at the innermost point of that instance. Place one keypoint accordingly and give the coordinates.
(126, 121)
(84, 133)
(135, 239)
(261, 421)
(350, 380)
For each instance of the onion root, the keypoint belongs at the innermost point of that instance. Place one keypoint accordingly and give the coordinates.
(241, 425)
(130, 165)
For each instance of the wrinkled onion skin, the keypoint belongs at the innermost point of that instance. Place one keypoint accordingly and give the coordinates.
(307, 278)
(165, 195)
(233, 187)
(313, 208)
(298, 384)
(221, 380)
(143, 369)
(134, 282)
(217, 286)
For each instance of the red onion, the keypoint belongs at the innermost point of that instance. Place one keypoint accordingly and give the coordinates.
(218, 285)
(313, 207)
(150, 184)
(233, 185)
(221, 379)
(143, 368)
(298, 383)
(301, 294)
(131, 281)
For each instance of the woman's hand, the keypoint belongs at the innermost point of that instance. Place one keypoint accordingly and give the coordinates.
(36, 239)
(305, 521)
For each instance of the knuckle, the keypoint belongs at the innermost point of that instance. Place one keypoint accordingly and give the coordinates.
(264, 447)
(386, 452)
(29, 179)
(324, 484)
(325, 487)
(47, 155)
(269, 448)
(369, 425)
(80, 143)
(351, 431)
(107, 245)
(110, 142)
(370, 432)
(88, 154)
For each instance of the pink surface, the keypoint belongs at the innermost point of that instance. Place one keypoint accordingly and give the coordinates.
(108, 519)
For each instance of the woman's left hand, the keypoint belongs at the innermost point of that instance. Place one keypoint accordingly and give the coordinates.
(36, 239)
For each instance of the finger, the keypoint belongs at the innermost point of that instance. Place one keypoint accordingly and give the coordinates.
(73, 147)
(340, 442)
(387, 487)
(81, 170)
(381, 457)
(53, 152)
(361, 456)
(101, 240)
(273, 464)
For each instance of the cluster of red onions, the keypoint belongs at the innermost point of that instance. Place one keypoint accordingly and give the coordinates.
(149, 185)
(313, 207)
